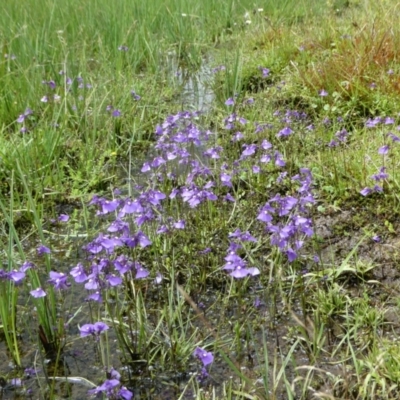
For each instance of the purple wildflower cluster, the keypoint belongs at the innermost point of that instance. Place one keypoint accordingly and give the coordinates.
(341, 137)
(206, 358)
(287, 218)
(181, 157)
(56, 88)
(93, 329)
(381, 175)
(16, 275)
(57, 279)
(234, 262)
(52, 95)
(24, 119)
(112, 388)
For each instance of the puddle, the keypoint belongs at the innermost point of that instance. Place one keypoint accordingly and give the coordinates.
(195, 95)
(195, 87)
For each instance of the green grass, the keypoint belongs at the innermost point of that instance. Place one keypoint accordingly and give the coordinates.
(311, 328)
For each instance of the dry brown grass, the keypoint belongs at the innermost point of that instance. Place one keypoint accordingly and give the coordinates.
(355, 63)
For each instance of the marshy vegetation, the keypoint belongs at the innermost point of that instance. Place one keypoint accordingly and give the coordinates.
(199, 200)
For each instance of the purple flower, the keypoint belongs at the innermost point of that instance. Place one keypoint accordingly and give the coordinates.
(114, 374)
(264, 71)
(230, 102)
(50, 83)
(205, 251)
(243, 236)
(96, 296)
(241, 272)
(237, 136)
(205, 357)
(139, 239)
(16, 276)
(326, 121)
(125, 394)
(26, 265)
(265, 145)
(93, 329)
(180, 224)
(229, 197)
(112, 389)
(342, 135)
(236, 264)
(63, 218)
(107, 387)
(79, 274)
(262, 127)
(141, 272)
(213, 152)
(116, 113)
(118, 225)
(43, 250)
(162, 229)
(371, 123)
(23, 116)
(226, 179)
(382, 175)
(279, 161)
(113, 280)
(131, 207)
(383, 150)
(394, 137)
(286, 131)
(265, 213)
(135, 96)
(15, 382)
(109, 243)
(291, 254)
(366, 191)
(323, 93)
(249, 150)
(58, 280)
(108, 205)
(376, 239)
(38, 292)
(333, 143)
(30, 372)
(265, 158)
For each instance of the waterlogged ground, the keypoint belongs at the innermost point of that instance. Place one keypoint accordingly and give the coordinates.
(275, 327)
(267, 314)
(230, 232)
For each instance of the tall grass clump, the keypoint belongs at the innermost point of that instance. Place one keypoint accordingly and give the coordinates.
(72, 76)
(245, 250)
